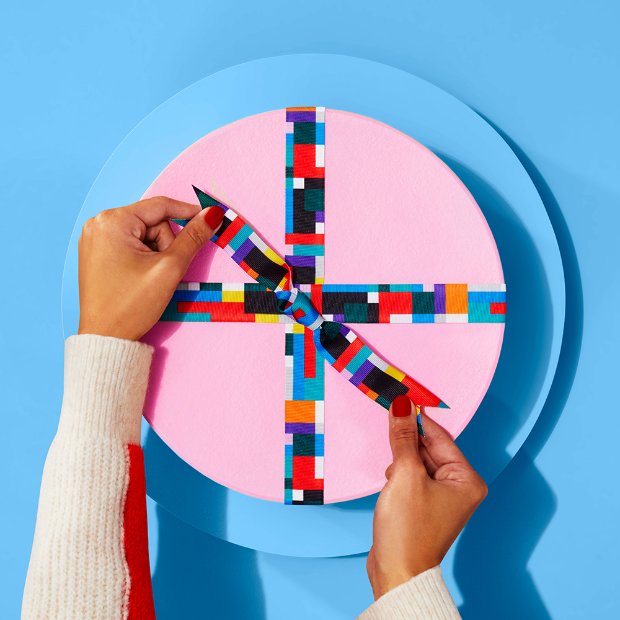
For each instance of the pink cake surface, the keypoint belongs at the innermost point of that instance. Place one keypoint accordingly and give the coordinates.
(395, 213)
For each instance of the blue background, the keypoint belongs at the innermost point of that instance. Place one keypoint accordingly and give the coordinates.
(76, 79)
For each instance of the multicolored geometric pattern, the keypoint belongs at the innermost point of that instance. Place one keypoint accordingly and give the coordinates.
(305, 194)
(237, 238)
(305, 252)
(347, 303)
(291, 291)
(304, 418)
(351, 357)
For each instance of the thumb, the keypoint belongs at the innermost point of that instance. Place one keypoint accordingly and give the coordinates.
(194, 235)
(403, 429)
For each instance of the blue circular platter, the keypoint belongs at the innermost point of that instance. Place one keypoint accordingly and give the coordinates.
(506, 195)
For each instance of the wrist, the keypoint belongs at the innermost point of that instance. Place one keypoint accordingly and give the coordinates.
(107, 331)
(384, 581)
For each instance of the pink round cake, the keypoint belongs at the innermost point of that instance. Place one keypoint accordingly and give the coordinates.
(394, 213)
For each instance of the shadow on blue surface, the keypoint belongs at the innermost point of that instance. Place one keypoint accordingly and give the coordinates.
(502, 536)
(527, 338)
(573, 322)
(492, 555)
(197, 575)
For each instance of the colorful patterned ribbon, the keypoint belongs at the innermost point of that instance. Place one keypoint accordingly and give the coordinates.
(291, 291)
(339, 345)
(304, 381)
(347, 303)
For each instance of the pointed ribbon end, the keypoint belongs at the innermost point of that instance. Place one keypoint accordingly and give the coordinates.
(205, 199)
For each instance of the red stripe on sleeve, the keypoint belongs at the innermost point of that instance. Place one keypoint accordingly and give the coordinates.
(135, 535)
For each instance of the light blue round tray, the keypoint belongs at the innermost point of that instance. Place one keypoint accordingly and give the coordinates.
(506, 195)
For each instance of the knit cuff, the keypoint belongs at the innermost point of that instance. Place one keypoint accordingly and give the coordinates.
(424, 597)
(105, 386)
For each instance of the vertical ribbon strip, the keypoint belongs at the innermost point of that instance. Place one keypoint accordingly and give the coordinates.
(304, 408)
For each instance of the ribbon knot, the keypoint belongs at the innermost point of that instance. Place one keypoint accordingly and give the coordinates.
(297, 304)
(325, 334)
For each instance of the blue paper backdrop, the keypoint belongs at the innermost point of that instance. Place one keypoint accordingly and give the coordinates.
(76, 78)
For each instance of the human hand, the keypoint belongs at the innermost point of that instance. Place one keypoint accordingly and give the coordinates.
(431, 493)
(130, 263)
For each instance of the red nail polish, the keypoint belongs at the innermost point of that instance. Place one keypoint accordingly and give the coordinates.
(214, 217)
(401, 406)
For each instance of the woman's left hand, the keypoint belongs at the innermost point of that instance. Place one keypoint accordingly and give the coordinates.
(430, 494)
(130, 263)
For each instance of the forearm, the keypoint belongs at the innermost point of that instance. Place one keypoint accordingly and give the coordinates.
(424, 597)
(89, 557)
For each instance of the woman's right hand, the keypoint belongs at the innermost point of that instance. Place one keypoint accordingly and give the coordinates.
(431, 493)
(130, 263)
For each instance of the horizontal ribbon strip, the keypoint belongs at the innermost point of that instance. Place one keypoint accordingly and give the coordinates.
(347, 303)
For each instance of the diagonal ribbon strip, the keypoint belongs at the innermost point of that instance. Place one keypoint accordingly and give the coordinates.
(340, 346)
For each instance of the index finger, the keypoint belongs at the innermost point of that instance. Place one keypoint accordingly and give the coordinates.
(439, 445)
(153, 211)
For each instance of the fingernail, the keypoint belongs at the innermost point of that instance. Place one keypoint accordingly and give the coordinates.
(214, 217)
(401, 406)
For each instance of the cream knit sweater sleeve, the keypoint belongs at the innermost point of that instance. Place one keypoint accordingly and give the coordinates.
(90, 556)
(424, 597)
